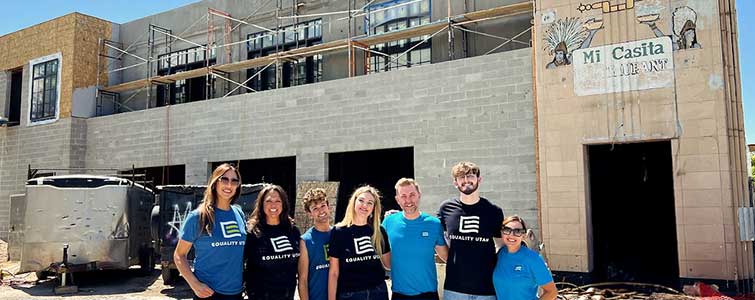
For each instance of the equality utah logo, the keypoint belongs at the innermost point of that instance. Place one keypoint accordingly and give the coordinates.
(281, 244)
(363, 245)
(469, 224)
(230, 229)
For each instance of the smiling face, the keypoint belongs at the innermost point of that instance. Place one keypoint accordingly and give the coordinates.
(468, 183)
(320, 212)
(364, 205)
(407, 197)
(226, 185)
(272, 205)
(509, 233)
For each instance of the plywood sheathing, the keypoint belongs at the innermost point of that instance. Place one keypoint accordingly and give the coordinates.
(75, 36)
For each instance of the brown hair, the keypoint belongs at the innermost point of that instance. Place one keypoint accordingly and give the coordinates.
(513, 218)
(314, 197)
(207, 207)
(407, 181)
(258, 214)
(464, 168)
(348, 217)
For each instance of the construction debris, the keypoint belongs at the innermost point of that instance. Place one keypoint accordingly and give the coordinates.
(634, 290)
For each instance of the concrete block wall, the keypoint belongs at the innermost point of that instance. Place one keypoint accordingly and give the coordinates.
(477, 109)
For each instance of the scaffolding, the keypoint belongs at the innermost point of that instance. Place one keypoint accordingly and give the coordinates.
(223, 69)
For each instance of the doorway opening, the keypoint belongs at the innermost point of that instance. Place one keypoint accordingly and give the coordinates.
(378, 168)
(631, 200)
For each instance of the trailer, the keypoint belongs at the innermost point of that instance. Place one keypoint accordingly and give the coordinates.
(174, 204)
(74, 223)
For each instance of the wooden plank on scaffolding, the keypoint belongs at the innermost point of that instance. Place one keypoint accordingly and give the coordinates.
(131, 85)
(403, 34)
(427, 29)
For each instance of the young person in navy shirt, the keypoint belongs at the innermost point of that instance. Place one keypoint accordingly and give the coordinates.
(272, 248)
(313, 262)
(414, 237)
(359, 250)
(472, 225)
(216, 232)
(519, 270)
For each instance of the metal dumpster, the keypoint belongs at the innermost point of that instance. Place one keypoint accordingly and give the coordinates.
(174, 204)
(103, 220)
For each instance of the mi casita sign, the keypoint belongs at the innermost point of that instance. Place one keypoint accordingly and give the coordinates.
(638, 65)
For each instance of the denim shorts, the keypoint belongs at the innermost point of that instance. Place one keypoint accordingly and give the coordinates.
(379, 292)
(451, 295)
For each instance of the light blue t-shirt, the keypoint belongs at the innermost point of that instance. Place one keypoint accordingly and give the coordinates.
(317, 252)
(219, 258)
(518, 275)
(413, 252)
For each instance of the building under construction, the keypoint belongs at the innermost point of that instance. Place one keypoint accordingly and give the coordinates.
(614, 127)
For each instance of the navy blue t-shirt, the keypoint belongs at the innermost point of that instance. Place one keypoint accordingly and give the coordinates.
(272, 259)
(317, 251)
(218, 260)
(359, 265)
(471, 249)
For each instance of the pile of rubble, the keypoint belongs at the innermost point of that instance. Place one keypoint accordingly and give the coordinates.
(641, 291)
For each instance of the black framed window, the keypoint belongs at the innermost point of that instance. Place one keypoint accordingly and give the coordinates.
(394, 16)
(188, 90)
(294, 72)
(44, 91)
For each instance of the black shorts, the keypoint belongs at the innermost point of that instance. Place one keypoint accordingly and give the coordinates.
(423, 296)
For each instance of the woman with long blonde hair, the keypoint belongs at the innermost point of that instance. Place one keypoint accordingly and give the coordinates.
(359, 250)
(216, 230)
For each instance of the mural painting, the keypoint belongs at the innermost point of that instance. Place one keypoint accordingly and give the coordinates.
(566, 35)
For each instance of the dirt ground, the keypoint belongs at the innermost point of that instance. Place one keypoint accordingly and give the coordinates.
(123, 284)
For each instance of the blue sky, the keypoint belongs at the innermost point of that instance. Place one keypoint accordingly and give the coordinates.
(18, 14)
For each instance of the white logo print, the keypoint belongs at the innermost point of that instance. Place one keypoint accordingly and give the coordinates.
(281, 244)
(230, 229)
(469, 224)
(363, 245)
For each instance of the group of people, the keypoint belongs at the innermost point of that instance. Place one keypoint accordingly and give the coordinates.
(268, 258)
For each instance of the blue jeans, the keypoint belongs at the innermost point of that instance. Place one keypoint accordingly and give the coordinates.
(380, 292)
(451, 295)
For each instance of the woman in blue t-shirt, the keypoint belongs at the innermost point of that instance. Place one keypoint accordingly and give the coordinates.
(217, 232)
(359, 250)
(272, 248)
(519, 270)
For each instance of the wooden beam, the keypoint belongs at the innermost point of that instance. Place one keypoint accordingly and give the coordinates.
(472, 17)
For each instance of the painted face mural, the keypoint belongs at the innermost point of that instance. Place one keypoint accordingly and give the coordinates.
(566, 35)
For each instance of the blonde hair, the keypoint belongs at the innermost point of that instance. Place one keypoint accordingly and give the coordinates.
(407, 181)
(207, 207)
(348, 217)
(514, 218)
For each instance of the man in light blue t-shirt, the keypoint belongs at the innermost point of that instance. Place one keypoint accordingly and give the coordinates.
(414, 237)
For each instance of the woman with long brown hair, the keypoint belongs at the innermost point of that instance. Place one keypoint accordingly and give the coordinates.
(359, 250)
(272, 248)
(217, 232)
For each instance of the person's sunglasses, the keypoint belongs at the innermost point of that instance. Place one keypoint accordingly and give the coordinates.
(515, 231)
(226, 180)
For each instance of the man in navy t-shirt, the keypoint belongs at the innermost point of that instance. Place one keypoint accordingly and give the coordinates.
(471, 224)
(313, 262)
(414, 237)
